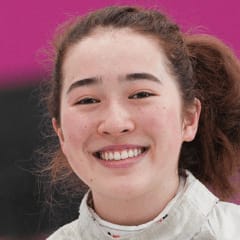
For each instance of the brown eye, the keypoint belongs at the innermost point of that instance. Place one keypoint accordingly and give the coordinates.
(142, 94)
(87, 101)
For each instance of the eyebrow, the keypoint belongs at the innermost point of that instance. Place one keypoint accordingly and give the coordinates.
(142, 76)
(98, 80)
(84, 82)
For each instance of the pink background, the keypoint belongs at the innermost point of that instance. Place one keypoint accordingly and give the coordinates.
(27, 26)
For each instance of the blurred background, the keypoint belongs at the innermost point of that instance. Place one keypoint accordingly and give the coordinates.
(26, 29)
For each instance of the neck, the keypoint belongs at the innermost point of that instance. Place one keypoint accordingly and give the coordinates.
(136, 210)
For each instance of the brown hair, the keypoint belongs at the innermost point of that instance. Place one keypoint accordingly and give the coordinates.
(204, 68)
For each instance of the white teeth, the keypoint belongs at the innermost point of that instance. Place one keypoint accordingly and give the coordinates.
(124, 154)
(116, 156)
(135, 152)
(110, 156)
(130, 153)
(120, 155)
(106, 155)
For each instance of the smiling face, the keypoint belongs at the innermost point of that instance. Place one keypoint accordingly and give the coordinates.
(122, 124)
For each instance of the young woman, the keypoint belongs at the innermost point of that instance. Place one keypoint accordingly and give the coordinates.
(144, 113)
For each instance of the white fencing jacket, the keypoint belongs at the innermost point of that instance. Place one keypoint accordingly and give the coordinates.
(196, 214)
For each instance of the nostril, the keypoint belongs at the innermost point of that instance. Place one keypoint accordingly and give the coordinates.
(106, 133)
(109, 133)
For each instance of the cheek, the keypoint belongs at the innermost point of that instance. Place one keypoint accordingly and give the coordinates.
(161, 116)
(165, 122)
(75, 128)
(76, 131)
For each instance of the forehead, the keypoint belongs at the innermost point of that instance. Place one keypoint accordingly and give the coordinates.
(114, 51)
(104, 35)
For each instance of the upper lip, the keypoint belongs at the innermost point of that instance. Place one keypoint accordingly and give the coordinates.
(119, 147)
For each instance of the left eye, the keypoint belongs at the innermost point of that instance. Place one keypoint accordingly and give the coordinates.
(142, 94)
(87, 100)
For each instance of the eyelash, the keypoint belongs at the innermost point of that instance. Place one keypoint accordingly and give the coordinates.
(139, 95)
(142, 94)
(88, 100)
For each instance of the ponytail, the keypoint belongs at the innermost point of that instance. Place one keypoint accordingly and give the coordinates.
(214, 155)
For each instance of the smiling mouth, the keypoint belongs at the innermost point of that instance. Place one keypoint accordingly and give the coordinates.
(120, 155)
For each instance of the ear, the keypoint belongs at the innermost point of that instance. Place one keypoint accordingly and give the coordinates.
(58, 130)
(191, 120)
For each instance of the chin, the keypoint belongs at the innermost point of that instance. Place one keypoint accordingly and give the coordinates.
(125, 191)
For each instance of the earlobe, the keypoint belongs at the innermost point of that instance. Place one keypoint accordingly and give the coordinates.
(191, 120)
(57, 130)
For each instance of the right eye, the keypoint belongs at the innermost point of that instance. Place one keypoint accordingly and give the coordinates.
(87, 100)
(141, 94)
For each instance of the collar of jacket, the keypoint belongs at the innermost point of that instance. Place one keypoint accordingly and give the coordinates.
(184, 220)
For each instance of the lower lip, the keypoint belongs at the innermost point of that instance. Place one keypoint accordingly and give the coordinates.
(125, 163)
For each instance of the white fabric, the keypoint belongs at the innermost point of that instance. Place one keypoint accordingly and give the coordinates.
(196, 214)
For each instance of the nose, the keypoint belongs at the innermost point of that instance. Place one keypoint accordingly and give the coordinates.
(117, 121)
